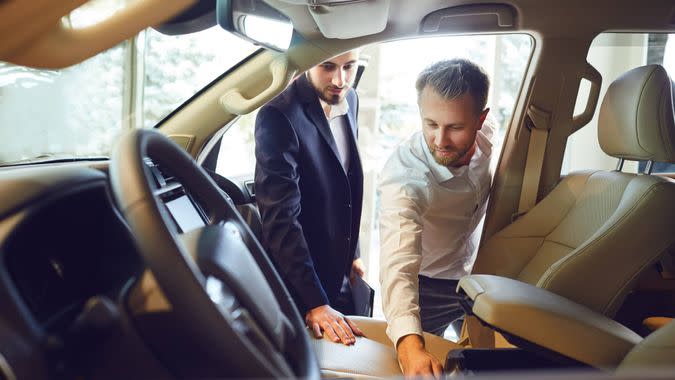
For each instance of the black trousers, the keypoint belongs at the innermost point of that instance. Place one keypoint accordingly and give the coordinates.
(439, 305)
(344, 302)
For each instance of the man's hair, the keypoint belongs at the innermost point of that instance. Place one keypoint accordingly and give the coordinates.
(455, 77)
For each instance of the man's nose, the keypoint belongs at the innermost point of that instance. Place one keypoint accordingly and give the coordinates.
(339, 78)
(441, 139)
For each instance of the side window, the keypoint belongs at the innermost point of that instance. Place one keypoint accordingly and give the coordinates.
(236, 158)
(132, 85)
(612, 54)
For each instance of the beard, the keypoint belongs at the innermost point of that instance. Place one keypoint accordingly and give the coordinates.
(327, 97)
(325, 94)
(446, 159)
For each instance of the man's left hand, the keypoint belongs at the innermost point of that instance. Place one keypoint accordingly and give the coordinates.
(358, 269)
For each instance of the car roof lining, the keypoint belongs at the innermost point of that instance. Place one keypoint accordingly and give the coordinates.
(46, 42)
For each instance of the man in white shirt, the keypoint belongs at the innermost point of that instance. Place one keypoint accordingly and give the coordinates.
(434, 191)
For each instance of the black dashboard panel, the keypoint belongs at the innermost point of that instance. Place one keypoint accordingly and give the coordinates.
(67, 250)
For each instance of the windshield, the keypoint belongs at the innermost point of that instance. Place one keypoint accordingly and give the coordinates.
(77, 112)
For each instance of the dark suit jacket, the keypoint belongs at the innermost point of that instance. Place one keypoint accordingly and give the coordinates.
(310, 208)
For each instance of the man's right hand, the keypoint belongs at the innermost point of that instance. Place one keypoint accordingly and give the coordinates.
(333, 323)
(414, 359)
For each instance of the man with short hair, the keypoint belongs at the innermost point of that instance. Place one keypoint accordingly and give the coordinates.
(309, 188)
(434, 191)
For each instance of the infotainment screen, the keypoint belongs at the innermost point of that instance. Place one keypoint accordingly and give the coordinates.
(185, 214)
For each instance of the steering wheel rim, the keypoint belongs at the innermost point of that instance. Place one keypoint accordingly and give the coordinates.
(261, 321)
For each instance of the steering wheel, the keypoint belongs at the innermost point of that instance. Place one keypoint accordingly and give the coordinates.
(218, 279)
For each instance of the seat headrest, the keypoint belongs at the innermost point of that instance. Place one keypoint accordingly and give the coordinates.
(636, 116)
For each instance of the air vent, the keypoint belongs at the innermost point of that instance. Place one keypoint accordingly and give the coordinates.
(161, 176)
(250, 186)
(168, 177)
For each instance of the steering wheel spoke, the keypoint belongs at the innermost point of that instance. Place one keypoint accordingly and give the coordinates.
(218, 279)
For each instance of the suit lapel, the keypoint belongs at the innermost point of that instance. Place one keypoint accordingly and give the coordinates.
(353, 147)
(315, 112)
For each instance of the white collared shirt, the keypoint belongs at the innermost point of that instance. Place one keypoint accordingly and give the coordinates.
(339, 127)
(429, 223)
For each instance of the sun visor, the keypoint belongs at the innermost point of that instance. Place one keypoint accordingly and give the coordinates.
(345, 19)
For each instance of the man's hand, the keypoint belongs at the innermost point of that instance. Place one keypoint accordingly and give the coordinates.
(415, 361)
(333, 323)
(358, 269)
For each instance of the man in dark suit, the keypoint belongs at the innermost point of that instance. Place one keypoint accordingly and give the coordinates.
(309, 188)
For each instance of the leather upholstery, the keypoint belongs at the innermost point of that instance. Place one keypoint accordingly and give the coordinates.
(636, 116)
(657, 351)
(590, 238)
(373, 356)
(548, 320)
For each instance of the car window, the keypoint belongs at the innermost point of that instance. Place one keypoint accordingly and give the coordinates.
(78, 111)
(388, 111)
(236, 157)
(612, 54)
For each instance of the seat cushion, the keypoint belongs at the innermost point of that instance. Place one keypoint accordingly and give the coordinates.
(372, 356)
(656, 351)
(590, 222)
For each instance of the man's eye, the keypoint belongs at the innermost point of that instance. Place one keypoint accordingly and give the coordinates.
(348, 67)
(328, 66)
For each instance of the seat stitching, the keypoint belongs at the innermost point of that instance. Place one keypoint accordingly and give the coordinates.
(581, 250)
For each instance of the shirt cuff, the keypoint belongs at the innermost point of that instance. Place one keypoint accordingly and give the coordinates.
(402, 326)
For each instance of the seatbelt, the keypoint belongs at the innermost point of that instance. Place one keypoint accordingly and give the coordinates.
(537, 122)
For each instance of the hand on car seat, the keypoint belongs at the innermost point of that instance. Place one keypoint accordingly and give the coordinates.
(333, 323)
(414, 359)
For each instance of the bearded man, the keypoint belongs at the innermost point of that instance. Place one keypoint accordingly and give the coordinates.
(309, 189)
(434, 191)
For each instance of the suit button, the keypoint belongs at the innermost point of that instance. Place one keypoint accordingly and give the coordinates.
(349, 205)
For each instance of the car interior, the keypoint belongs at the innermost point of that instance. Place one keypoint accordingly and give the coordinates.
(145, 260)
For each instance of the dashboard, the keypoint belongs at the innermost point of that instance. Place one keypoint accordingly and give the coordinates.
(64, 245)
(67, 250)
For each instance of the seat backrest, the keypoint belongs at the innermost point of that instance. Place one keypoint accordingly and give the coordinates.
(592, 236)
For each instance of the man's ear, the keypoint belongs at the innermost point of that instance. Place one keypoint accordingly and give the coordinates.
(482, 116)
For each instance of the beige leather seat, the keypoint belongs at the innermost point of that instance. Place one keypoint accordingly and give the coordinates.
(370, 359)
(595, 233)
(589, 239)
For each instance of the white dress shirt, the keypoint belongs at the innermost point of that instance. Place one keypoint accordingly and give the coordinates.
(429, 219)
(339, 127)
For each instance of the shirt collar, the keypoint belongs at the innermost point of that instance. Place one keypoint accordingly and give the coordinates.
(335, 109)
